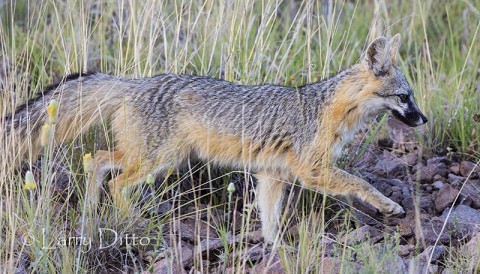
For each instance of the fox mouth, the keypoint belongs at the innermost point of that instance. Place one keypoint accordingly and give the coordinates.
(410, 118)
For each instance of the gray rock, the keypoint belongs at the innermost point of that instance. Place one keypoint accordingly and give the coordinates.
(397, 197)
(435, 160)
(455, 180)
(468, 168)
(410, 159)
(270, 264)
(367, 160)
(164, 266)
(403, 137)
(471, 192)
(426, 203)
(471, 251)
(417, 167)
(405, 250)
(334, 264)
(396, 182)
(407, 224)
(390, 166)
(438, 184)
(416, 266)
(407, 202)
(466, 220)
(426, 175)
(164, 207)
(382, 260)
(445, 197)
(254, 237)
(432, 230)
(255, 253)
(385, 189)
(385, 142)
(435, 251)
(454, 168)
(363, 234)
(428, 189)
(439, 178)
(191, 229)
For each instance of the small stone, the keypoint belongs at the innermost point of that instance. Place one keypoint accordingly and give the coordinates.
(255, 253)
(385, 189)
(363, 234)
(431, 229)
(254, 237)
(270, 265)
(392, 182)
(385, 142)
(417, 167)
(454, 168)
(331, 265)
(468, 168)
(392, 263)
(426, 174)
(439, 178)
(445, 197)
(406, 225)
(405, 250)
(455, 180)
(410, 159)
(449, 270)
(164, 208)
(390, 166)
(438, 251)
(397, 197)
(435, 160)
(407, 203)
(396, 189)
(438, 184)
(420, 266)
(471, 191)
(164, 266)
(426, 203)
(470, 251)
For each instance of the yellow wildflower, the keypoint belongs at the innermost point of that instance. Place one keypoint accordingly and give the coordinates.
(88, 162)
(29, 181)
(52, 110)
(45, 135)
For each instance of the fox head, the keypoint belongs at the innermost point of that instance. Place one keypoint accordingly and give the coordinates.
(391, 93)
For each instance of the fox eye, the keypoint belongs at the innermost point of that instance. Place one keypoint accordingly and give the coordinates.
(403, 98)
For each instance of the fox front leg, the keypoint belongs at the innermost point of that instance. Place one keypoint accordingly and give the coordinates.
(339, 182)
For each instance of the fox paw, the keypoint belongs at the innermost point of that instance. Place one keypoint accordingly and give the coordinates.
(394, 210)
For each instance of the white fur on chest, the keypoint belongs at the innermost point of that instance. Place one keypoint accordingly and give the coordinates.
(345, 136)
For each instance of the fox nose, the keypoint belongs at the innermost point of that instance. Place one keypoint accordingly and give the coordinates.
(424, 119)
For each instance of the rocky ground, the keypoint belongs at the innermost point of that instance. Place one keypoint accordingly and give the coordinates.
(441, 196)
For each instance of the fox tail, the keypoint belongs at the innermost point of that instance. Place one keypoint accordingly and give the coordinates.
(85, 100)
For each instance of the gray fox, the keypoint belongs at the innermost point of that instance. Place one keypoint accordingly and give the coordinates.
(282, 133)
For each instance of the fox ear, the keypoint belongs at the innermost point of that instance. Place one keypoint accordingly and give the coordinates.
(376, 56)
(394, 45)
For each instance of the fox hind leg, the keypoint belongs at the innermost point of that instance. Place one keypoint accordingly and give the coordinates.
(103, 161)
(137, 171)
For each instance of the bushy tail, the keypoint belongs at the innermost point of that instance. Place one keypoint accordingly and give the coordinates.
(85, 100)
